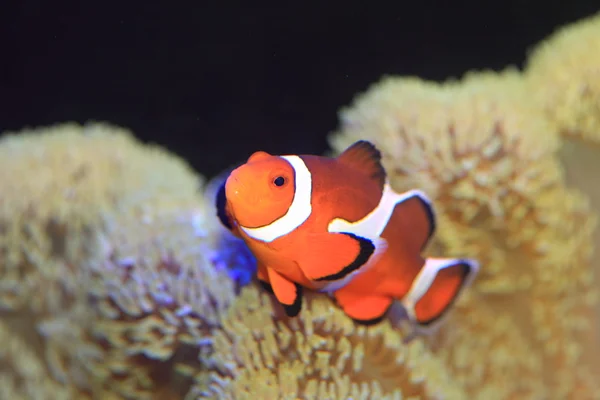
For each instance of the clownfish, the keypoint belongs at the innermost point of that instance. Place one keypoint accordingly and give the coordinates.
(335, 225)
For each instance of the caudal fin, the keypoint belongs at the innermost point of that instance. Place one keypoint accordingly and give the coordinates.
(436, 287)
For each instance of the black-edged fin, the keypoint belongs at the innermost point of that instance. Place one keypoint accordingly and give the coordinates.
(366, 158)
(366, 250)
(221, 203)
(333, 256)
(441, 282)
(294, 309)
(288, 293)
(266, 286)
(417, 219)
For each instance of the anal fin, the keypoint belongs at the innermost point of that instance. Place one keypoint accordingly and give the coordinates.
(363, 309)
(436, 288)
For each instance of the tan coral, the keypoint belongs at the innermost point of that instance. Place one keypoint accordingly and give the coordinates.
(564, 75)
(58, 186)
(321, 354)
(160, 299)
(104, 250)
(581, 164)
(487, 157)
(64, 339)
(23, 373)
(474, 147)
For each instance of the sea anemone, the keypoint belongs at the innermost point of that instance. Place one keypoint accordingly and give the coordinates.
(106, 259)
(321, 354)
(563, 72)
(487, 156)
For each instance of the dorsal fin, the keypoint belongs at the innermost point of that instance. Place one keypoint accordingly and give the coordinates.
(364, 156)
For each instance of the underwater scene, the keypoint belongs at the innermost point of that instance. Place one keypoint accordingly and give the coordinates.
(446, 245)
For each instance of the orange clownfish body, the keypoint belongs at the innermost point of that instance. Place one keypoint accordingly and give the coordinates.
(336, 225)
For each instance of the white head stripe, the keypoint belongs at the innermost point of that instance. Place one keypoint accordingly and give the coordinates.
(299, 210)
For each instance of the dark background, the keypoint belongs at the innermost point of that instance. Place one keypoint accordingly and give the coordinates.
(214, 81)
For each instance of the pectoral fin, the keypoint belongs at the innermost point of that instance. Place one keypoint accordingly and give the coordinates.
(288, 293)
(263, 277)
(333, 256)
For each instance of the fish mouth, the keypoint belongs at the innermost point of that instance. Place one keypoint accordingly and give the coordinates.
(241, 192)
(240, 198)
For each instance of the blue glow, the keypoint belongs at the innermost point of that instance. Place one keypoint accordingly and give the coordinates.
(233, 255)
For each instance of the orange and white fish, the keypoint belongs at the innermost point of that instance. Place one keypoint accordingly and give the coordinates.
(336, 225)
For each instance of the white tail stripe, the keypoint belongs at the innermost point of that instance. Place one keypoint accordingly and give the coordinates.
(427, 275)
(299, 210)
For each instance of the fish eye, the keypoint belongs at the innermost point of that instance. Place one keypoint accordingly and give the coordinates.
(279, 181)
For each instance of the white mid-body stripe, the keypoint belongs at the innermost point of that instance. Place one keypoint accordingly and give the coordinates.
(371, 227)
(373, 224)
(299, 210)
